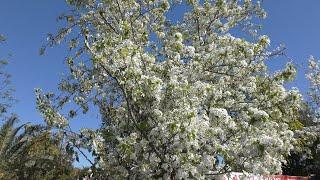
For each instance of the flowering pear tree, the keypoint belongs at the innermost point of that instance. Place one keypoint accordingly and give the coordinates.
(313, 75)
(306, 153)
(314, 78)
(173, 96)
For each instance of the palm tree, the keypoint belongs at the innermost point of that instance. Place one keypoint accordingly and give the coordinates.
(12, 144)
(32, 152)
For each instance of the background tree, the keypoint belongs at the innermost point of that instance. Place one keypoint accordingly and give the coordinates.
(33, 154)
(304, 159)
(174, 95)
(28, 151)
(11, 145)
(6, 98)
(46, 159)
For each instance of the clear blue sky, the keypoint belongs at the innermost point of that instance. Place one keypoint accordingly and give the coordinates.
(25, 23)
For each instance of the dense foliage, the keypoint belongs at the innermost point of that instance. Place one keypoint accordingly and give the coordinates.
(33, 154)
